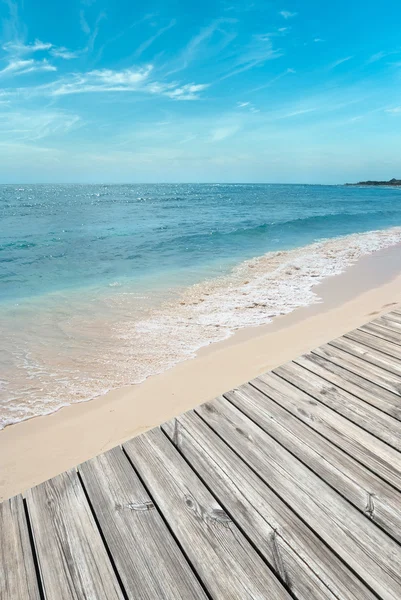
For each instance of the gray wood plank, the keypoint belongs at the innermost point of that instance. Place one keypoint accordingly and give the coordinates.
(390, 322)
(354, 481)
(381, 390)
(224, 560)
(365, 371)
(149, 561)
(18, 579)
(295, 553)
(383, 332)
(373, 342)
(358, 443)
(373, 555)
(356, 410)
(72, 558)
(392, 316)
(369, 355)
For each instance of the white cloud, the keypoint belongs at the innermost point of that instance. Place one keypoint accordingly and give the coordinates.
(154, 37)
(295, 113)
(30, 125)
(189, 91)
(19, 48)
(127, 80)
(64, 53)
(395, 110)
(102, 80)
(258, 51)
(243, 104)
(221, 133)
(317, 40)
(287, 14)
(21, 67)
(340, 62)
(84, 23)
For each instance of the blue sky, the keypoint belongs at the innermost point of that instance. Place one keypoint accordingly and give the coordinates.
(122, 91)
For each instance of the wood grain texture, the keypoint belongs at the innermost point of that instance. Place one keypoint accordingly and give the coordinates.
(387, 348)
(329, 364)
(72, 558)
(388, 321)
(148, 559)
(354, 481)
(373, 555)
(363, 374)
(382, 331)
(298, 557)
(358, 443)
(18, 579)
(224, 560)
(358, 411)
(370, 354)
(392, 316)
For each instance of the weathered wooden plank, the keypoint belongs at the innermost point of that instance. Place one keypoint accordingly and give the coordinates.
(330, 364)
(383, 332)
(224, 560)
(390, 322)
(363, 372)
(17, 570)
(295, 553)
(392, 316)
(368, 354)
(354, 481)
(72, 558)
(356, 410)
(358, 443)
(147, 558)
(373, 555)
(373, 342)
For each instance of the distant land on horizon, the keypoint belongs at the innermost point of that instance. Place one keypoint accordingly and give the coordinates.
(392, 182)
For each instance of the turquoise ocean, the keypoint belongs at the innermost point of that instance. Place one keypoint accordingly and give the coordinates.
(104, 285)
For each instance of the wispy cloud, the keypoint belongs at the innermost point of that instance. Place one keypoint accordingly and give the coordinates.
(340, 62)
(11, 24)
(318, 40)
(296, 113)
(395, 110)
(18, 48)
(22, 67)
(382, 54)
(258, 51)
(248, 106)
(65, 53)
(108, 80)
(273, 80)
(154, 37)
(221, 133)
(91, 32)
(208, 42)
(84, 23)
(30, 125)
(287, 14)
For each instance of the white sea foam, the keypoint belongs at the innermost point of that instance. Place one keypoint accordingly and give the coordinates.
(73, 350)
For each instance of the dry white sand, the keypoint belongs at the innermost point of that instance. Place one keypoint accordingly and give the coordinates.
(35, 450)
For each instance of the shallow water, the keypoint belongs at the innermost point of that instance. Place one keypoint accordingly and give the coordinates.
(101, 286)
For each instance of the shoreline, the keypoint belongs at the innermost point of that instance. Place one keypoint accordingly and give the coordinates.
(38, 448)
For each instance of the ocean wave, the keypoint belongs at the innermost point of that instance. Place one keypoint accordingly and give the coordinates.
(72, 351)
(300, 224)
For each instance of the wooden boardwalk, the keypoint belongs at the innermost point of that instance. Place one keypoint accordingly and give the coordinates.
(287, 487)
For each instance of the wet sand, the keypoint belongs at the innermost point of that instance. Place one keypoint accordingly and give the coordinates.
(39, 448)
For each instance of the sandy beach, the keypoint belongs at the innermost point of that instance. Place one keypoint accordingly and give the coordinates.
(39, 448)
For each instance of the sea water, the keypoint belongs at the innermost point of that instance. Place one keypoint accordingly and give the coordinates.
(104, 285)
